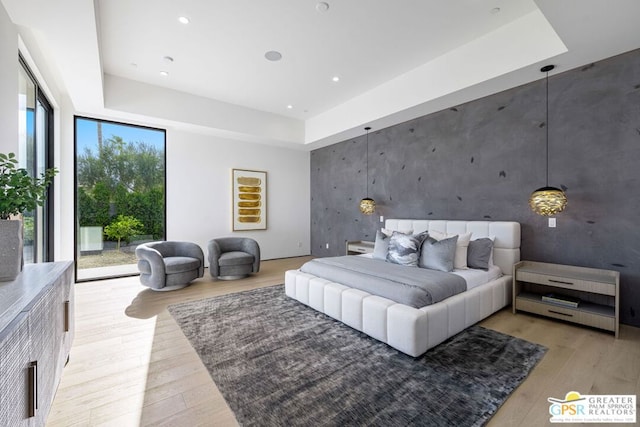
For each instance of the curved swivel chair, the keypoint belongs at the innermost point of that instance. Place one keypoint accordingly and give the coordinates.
(233, 257)
(166, 266)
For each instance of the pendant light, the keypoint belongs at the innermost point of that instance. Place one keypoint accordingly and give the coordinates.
(367, 205)
(547, 201)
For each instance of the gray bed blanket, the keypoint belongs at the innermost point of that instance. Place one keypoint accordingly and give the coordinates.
(412, 286)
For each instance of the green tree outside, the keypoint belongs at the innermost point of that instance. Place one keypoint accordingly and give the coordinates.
(122, 179)
(123, 228)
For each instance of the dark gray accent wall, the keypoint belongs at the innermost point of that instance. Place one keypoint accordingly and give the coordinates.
(481, 160)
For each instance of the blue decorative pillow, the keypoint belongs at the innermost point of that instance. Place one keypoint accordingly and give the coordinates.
(404, 249)
(438, 255)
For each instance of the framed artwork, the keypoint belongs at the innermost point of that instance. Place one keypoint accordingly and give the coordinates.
(249, 189)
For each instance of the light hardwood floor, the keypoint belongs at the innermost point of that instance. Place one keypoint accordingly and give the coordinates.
(131, 365)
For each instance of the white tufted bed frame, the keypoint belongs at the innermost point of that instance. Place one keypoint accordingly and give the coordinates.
(415, 330)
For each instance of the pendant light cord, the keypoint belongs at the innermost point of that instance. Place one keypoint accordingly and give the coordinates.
(367, 159)
(547, 128)
(546, 69)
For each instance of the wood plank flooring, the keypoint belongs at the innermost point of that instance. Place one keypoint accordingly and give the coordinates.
(131, 365)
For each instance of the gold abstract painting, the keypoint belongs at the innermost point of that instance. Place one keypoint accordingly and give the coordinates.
(249, 200)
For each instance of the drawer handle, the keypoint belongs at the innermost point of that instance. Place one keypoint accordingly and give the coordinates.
(33, 388)
(562, 314)
(67, 315)
(560, 281)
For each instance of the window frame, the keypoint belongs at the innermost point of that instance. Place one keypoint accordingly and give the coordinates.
(76, 231)
(44, 251)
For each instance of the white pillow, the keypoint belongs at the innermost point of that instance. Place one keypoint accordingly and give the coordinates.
(460, 260)
(389, 233)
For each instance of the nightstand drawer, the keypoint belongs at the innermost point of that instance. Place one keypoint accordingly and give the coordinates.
(567, 313)
(566, 282)
(558, 312)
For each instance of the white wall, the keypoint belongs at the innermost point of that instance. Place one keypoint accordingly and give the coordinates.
(8, 84)
(64, 216)
(199, 192)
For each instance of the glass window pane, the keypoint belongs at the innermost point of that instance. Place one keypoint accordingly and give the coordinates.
(40, 219)
(120, 194)
(34, 141)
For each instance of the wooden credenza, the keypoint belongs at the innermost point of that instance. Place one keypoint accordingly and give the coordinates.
(36, 331)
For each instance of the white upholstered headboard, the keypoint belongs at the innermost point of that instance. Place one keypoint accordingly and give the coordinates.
(505, 235)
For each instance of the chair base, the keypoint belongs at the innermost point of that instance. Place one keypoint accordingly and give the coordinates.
(171, 288)
(236, 277)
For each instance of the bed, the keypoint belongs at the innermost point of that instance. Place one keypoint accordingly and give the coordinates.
(409, 329)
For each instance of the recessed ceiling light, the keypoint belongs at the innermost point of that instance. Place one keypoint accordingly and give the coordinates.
(273, 55)
(322, 6)
(335, 78)
(134, 65)
(164, 73)
(495, 10)
(290, 107)
(168, 59)
(184, 20)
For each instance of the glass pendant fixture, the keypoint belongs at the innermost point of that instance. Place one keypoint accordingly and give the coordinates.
(547, 201)
(367, 205)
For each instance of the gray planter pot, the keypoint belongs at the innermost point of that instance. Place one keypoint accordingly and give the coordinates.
(11, 244)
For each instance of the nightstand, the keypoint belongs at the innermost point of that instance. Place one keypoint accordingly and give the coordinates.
(356, 247)
(586, 296)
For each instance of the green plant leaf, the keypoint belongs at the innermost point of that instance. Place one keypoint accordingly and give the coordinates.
(20, 192)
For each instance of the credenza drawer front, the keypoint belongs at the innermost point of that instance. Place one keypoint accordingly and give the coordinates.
(566, 282)
(566, 313)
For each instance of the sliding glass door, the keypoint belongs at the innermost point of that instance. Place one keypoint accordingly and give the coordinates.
(120, 195)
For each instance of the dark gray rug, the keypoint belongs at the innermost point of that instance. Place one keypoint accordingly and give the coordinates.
(278, 362)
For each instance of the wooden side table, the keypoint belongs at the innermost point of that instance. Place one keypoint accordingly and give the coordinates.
(356, 247)
(581, 295)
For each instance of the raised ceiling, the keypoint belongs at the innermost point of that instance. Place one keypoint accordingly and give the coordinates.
(394, 60)
(220, 53)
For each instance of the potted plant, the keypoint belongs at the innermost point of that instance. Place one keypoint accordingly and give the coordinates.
(19, 193)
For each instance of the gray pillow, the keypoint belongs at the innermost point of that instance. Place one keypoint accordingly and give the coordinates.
(404, 249)
(479, 253)
(381, 246)
(438, 255)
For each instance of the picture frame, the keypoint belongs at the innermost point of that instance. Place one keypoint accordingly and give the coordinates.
(249, 193)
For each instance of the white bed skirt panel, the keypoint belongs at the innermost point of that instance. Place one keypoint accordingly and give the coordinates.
(410, 330)
(415, 330)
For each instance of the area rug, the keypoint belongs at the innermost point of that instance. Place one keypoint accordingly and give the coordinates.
(278, 362)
